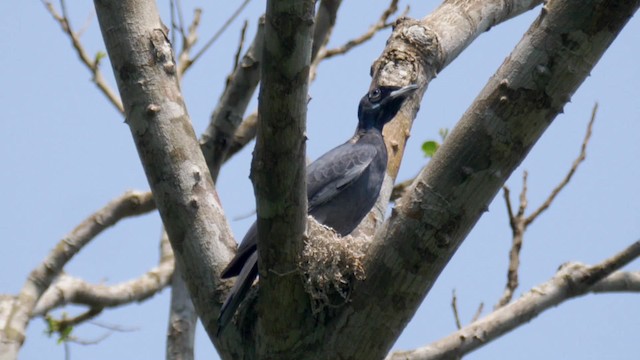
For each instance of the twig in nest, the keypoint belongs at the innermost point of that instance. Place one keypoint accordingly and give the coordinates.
(329, 263)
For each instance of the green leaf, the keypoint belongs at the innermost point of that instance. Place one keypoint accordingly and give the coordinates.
(443, 133)
(64, 334)
(99, 56)
(430, 147)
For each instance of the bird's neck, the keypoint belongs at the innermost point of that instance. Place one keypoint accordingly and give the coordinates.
(366, 133)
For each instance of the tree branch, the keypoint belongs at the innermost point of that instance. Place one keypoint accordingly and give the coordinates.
(518, 228)
(39, 280)
(454, 189)
(188, 62)
(320, 52)
(189, 39)
(278, 172)
(382, 23)
(182, 322)
(71, 290)
(572, 280)
(92, 64)
(574, 167)
(225, 119)
(145, 71)
(519, 222)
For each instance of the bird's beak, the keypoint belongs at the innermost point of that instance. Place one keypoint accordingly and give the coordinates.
(403, 91)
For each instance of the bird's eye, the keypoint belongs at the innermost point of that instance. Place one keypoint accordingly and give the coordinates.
(374, 95)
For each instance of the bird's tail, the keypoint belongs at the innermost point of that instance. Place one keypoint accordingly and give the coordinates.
(239, 291)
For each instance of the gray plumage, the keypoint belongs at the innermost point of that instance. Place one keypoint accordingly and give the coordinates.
(342, 187)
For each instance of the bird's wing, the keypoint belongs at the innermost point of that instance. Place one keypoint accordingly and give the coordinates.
(336, 170)
(239, 291)
(245, 250)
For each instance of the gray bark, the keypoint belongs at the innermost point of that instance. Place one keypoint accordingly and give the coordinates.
(145, 71)
(278, 173)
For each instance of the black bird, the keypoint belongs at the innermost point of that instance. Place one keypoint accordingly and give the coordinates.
(342, 186)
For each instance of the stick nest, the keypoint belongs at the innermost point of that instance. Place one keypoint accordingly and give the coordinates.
(329, 265)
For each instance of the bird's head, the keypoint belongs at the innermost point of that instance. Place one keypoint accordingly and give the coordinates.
(381, 104)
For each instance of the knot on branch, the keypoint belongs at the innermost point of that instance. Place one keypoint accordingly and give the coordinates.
(329, 264)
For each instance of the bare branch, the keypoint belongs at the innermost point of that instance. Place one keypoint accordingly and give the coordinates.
(176, 170)
(523, 196)
(325, 21)
(574, 167)
(189, 39)
(476, 316)
(76, 340)
(278, 170)
(129, 204)
(320, 51)
(518, 228)
(215, 36)
(67, 322)
(507, 199)
(381, 24)
(243, 135)
(227, 115)
(519, 222)
(572, 280)
(619, 281)
(178, 5)
(72, 290)
(454, 307)
(93, 64)
(182, 322)
(236, 58)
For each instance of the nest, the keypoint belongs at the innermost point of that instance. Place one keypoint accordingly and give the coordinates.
(329, 265)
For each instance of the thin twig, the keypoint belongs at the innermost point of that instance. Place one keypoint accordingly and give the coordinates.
(66, 322)
(243, 135)
(519, 222)
(507, 199)
(476, 316)
(93, 64)
(76, 340)
(236, 58)
(574, 167)
(115, 328)
(381, 24)
(172, 17)
(180, 21)
(188, 41)
(523, 196)
(454, 307)
(216, 35)
(572, 280)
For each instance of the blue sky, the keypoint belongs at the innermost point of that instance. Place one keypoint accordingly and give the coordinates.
(66, 152)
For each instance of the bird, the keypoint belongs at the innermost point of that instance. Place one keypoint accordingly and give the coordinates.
(342, 187)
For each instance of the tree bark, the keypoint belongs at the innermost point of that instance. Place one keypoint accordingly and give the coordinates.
(278, 173)
(145, 71)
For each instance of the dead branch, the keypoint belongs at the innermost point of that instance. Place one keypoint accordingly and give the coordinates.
(519, 222)
(93, 64)
(214, 37)
(382, 23)
(189, 39)
(321, 53)
(571, 280)
(581, 157)
(454, 307)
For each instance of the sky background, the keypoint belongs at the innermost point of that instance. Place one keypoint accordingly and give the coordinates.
(65, 152)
